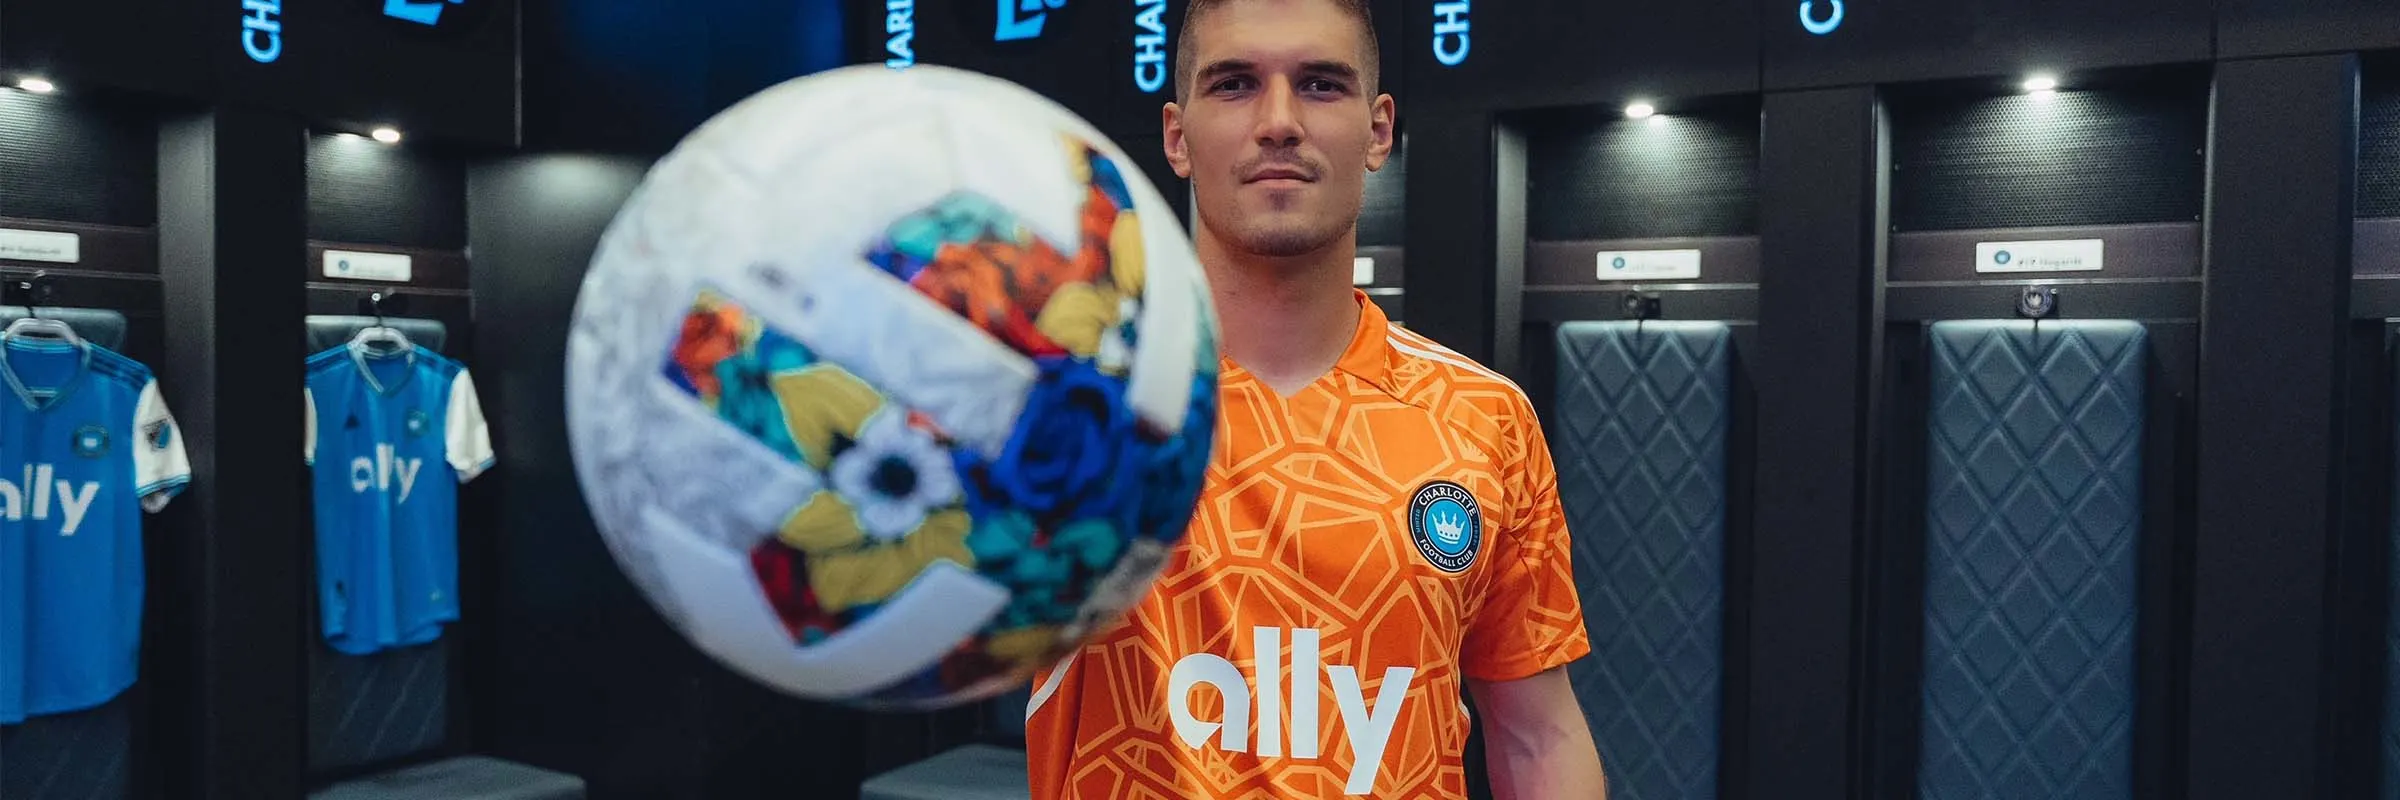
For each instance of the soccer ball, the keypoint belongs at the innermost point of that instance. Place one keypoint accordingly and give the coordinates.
(888, 388)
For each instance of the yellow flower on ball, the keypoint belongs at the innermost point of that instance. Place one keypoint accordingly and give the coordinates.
(1125, 254)
(1077, 316)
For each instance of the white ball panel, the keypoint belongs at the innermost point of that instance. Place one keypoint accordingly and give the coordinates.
(729, 487)
(1019, 164)
(917, 353)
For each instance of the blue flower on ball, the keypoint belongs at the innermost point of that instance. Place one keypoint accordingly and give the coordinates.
(1077, 452)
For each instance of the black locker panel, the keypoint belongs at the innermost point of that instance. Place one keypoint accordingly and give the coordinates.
(2379, 140)
(1811, 43)
(361, 191)
(77, 158)
(1528, 55)
(1383, 219)
(2111, 155)
(2248, 28)
(1598, 175)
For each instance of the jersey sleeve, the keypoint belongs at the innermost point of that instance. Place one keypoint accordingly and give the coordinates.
(308, 426)
(160, 468)
(1532, 620)
(470, 439)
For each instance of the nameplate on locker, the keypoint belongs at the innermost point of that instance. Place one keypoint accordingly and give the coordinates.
(358, 266)
(1362, 271)
(2064, 255)
(1649, 265)
(50, 246)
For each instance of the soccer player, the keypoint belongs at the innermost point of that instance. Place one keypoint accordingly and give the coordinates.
(1380, 531)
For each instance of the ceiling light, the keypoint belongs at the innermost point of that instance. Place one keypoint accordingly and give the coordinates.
(36, 85)
(1640, 111)
(387, 135)
(2041, 83)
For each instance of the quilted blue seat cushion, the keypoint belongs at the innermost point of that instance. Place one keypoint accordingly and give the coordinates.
(463, 778)
(2034, 510)
(80, 755)
(376, 708)
(1642, 412)
(973, 772)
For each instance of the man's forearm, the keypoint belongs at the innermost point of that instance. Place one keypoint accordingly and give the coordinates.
(1545, 760)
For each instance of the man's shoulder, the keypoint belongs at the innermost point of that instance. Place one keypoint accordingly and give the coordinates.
(1429, 374)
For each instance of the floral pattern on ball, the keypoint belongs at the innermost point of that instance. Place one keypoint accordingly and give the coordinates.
(1081, 483)
(1081, 477)
(892, 504)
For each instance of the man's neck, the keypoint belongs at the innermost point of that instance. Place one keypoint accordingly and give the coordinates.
(1287, 320)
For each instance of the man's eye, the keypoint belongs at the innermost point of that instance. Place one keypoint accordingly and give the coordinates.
(1230, 85)
(1321, 85)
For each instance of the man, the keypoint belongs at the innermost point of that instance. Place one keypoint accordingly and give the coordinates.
(1380, 529)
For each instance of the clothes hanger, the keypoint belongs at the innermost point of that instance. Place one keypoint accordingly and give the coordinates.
(33, 324)
(379, 333)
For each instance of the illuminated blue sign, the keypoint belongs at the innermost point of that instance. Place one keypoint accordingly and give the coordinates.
(422, 12)
(1811, 23)
(1150, 46)
(262, 30)
(1022, 19)
(1450, 32)
(900, 25)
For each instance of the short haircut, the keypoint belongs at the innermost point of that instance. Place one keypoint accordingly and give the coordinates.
(1355, 9)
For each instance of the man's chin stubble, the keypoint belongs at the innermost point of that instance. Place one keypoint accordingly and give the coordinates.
(1287, 242)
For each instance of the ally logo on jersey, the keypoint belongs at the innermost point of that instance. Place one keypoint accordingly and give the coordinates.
(384, 472)
(40, 496)
(1366, 721)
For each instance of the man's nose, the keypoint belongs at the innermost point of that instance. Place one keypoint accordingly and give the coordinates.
(1279, 116)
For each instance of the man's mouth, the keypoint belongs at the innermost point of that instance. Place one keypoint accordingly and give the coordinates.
(1279, 174)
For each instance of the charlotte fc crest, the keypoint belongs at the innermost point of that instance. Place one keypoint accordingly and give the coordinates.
(1447, 525)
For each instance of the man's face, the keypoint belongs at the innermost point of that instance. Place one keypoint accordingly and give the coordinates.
(1279, 130)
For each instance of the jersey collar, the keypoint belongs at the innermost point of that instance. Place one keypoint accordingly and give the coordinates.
(359, 358)
(1369, 355)
(46, 400)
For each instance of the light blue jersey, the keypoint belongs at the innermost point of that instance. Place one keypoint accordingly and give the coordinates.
(390, 437)
(86, 445)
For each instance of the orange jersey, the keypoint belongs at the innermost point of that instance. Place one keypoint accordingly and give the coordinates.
(1361, 549)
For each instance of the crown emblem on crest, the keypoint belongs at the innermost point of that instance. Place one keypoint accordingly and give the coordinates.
(1448, 526)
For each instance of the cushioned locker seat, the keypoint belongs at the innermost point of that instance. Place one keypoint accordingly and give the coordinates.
(1641, 416)
(992, 770)
(81, 755)
(468, 778)
(2034, 510)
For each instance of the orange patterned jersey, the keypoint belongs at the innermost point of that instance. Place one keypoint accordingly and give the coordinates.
(1361, 549)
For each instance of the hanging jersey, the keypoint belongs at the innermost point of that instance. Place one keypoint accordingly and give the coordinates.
(389, 436)
(1362, 549)
(86, 445)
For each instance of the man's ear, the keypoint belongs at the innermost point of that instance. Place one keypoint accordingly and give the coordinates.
(1379, 149)
(1170, 122)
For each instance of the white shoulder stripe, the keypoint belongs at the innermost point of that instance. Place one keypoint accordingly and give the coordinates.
(1446, 356)
(1423, 343)
(1041, 694)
